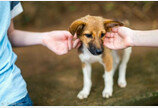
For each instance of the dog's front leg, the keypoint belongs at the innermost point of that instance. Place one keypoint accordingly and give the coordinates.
(86, 67)
(108, 76)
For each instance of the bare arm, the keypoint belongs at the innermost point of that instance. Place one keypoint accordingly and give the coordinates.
(20, 38)
(123, 37)
(59, 42)
(145, 38)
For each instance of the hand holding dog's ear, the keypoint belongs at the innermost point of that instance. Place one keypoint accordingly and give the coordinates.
(109, 24)
(60, 42)
(119, 38)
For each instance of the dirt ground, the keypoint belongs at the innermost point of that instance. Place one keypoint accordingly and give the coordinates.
(56, 80)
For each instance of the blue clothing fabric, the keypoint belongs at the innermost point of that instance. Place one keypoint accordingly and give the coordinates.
(12, 84)
(26, 101)
(13, 4)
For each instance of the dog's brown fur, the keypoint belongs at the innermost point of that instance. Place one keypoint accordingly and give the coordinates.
(83, 65)
(96, 26)
(107, 59)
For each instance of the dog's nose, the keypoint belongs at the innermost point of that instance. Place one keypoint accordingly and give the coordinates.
(99, 51)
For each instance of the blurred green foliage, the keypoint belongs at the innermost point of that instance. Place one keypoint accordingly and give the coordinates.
(109, 6)
(72, 8)
(42, 14)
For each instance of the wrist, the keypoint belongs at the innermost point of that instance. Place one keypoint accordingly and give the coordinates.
(44, 37)
(135, 37)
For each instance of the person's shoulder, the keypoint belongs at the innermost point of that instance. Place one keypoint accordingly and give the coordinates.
(13, 4)
(16, 8)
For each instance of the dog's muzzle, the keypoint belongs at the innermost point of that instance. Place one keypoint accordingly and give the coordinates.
(95, 51)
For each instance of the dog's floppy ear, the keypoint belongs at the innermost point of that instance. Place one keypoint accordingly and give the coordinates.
(108, 24)
(77, 27)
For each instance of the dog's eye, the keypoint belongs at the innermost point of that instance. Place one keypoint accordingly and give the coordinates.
(102, 35)
(88, 35)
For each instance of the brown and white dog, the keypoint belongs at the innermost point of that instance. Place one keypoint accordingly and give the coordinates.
(91, 31)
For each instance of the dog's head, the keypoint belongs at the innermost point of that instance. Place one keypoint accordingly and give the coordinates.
(91, 30)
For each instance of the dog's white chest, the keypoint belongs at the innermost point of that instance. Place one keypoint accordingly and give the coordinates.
(86, 56)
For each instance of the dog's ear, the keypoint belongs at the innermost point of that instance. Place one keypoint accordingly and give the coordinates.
(108, 24)
(77, 27)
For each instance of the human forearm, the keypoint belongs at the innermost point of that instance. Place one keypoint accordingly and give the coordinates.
(20, 38)
(145, 38)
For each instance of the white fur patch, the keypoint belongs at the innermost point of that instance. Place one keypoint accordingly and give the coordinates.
(87, 57)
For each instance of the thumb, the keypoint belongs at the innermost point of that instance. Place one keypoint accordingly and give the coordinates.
(75, 36)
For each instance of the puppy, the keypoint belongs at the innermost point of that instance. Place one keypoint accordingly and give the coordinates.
(91, 31)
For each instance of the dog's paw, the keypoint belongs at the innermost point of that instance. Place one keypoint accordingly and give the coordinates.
(122, 83)
(83, 94)
(107, 93)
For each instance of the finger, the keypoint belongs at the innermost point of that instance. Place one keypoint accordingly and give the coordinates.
(116, 36)
(108, 44)
(68, 34)
(75, 36)
(112, 35)
(115, 29)
(70, 43)
(76, 42)
(106, 41)
(111, 40)
(78, 45)
(107, 34)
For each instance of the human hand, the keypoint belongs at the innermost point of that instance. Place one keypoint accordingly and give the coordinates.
(119, 38)
(60, 42)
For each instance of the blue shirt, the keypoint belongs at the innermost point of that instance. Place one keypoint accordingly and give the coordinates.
(12, 84)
